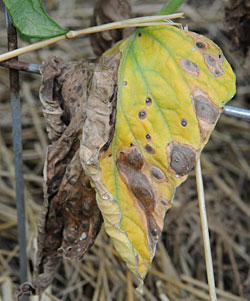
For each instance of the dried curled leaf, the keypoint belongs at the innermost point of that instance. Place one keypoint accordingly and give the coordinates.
(237, 18)
(70, 219)
(172, 87)
(107, 11)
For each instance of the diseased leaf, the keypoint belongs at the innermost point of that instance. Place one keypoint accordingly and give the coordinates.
(31, 19)
(71, 220)
(172, 87)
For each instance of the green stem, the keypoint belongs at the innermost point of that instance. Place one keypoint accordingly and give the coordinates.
(170, 7)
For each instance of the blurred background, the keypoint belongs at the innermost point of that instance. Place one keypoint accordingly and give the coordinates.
(178, 271)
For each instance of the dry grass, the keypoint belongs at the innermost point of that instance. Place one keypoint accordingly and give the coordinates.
(178, 271)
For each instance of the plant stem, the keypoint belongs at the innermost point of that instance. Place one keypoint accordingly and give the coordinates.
(136, 22)
(205, 234)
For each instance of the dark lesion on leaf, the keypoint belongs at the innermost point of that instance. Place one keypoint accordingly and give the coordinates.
(214, 64)
(149, 149)
(182, 158)
(129, 165)
(205, 110)
(189, 67)
(201, 45)
(158, 174)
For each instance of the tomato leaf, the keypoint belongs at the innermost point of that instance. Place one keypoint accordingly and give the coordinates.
(31, 19)
(172, 86)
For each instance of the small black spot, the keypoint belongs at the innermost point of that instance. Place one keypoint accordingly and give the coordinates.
(125, 83)
(142, 114)
(149, 149)
(148, 137)
(148, 101)
(184, 122)
(154, 232)
(110, 155)
(219, 56)
(139, 34)
(200, 45)
(132, 144)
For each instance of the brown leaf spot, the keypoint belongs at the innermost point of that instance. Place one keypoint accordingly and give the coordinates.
(149, 149)
(205, 110)
(158, 174)
(190, 67)
(139, 185)
(182, 158)
(129, 165)
(214, 64)
(134, 159)
(142, 114)
(210, 60)
(201, 45)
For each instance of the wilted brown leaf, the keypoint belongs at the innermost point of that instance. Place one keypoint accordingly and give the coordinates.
(107, 11)
(73, 94)
(237, 17)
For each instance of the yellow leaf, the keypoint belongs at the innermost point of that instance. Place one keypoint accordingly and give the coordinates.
(172, 86)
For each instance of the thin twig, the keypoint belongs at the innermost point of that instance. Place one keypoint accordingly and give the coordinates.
(135, 22)
(205, 234)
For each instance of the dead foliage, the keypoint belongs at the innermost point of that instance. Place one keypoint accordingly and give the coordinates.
(107, 11)
(237, 17)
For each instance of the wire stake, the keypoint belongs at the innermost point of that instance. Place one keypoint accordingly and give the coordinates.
(18, 158)
(237, 112)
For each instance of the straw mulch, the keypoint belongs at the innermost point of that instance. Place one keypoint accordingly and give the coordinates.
(178, 271)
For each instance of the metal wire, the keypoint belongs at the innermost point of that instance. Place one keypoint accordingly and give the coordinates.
(237, 112)
(21, 66)
(18, 154)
